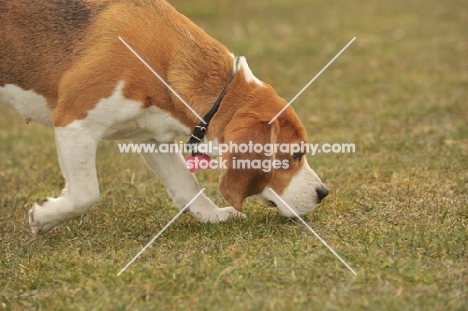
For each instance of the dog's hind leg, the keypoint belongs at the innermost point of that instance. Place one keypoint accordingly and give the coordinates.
(182, 185)
(76, 149)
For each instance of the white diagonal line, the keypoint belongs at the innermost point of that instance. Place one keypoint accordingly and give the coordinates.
(160, 232)
(311, 81)
(315, 233)
(162, 80)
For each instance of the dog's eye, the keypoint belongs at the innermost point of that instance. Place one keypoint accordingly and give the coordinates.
(297, 156)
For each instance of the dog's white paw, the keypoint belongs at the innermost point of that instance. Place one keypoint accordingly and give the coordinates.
(218, 214)
(35, 221)
(229, 212)
(44, 217)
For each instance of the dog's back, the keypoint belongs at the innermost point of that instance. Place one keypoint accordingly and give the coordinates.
(37, 38)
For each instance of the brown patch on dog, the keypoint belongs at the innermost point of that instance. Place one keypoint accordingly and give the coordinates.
(38, 42)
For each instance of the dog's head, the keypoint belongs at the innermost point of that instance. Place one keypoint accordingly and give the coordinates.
(261, 156)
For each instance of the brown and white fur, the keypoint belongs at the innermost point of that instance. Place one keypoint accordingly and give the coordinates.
(62, 65)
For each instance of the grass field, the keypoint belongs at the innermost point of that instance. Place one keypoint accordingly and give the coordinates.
(397, 211)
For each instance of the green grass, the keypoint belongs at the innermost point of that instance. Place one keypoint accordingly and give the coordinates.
(398, 208)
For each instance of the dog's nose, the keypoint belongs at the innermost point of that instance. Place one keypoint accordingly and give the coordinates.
(322, 193)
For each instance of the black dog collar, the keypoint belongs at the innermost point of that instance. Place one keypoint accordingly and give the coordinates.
(200, 130)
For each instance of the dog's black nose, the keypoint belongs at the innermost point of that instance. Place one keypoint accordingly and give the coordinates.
(322, 193)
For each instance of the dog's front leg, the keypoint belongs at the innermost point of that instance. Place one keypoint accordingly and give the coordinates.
(76, 153)
(183, 186)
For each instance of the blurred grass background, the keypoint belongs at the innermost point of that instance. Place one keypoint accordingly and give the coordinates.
(398, 208)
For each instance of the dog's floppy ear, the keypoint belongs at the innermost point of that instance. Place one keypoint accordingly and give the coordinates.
(240, 180)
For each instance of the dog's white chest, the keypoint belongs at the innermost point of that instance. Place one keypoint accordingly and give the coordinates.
(150, 123)
(32, 106)
(119, 118)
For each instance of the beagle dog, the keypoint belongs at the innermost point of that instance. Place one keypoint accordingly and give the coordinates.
(62, 64)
